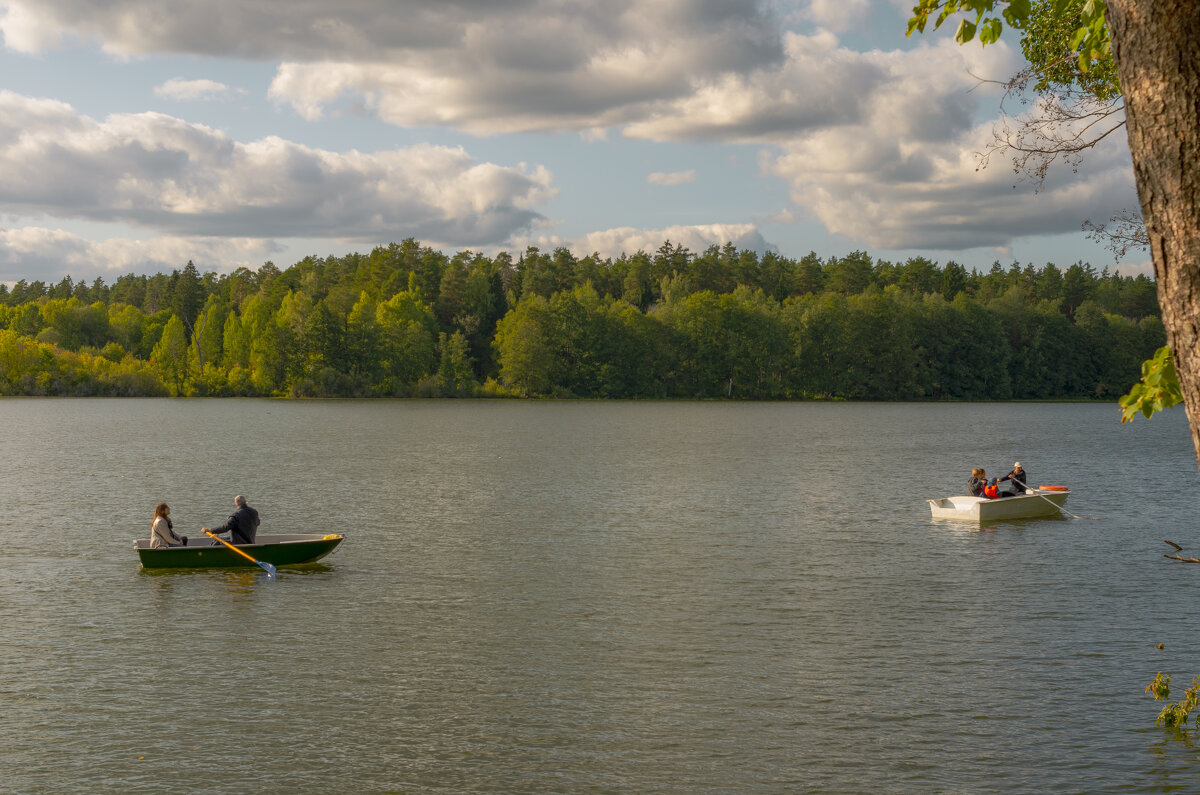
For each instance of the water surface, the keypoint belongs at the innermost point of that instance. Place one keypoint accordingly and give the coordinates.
(588, 596)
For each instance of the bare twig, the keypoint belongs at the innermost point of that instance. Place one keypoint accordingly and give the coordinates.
(1124, 231)
(1059, 124)
(1178, 556)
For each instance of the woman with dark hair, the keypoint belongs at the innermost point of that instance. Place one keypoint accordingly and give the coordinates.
(162, 531)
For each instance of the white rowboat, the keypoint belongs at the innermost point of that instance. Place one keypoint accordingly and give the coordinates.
(1037, 503)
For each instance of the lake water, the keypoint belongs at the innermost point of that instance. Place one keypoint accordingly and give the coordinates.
(593, 597)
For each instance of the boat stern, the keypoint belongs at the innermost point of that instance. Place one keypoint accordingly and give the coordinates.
(961, 507)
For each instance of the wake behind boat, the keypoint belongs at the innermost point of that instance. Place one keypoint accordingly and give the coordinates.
(278, 550)
(1040, 502)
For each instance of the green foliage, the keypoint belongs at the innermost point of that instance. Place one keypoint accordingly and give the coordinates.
(1174, 715)
(734, 343)
(31, 368)
(1088, 23)
(454, 376)
(170, 355)
(405, 320)
(524, 343)
(208, 335)
(1159, 388)
(187, 295)
(1049, 44)
(407, 341)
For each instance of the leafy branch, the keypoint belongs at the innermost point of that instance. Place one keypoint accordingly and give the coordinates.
(1158, 389)
(1090, 39)
(1175, 714)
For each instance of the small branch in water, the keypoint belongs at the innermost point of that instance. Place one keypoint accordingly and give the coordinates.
(1178, 556)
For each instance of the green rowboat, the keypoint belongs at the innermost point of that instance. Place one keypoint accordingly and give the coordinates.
(279, 550)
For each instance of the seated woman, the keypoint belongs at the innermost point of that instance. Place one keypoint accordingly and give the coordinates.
(162, 532)
(978, 486)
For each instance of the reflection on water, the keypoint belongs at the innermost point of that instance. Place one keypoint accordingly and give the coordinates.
(562, 597)
(294, 570)
(235, 580)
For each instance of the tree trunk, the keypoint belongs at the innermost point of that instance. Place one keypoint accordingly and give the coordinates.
(1156, 44)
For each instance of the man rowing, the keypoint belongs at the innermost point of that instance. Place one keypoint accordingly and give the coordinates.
(241, 525)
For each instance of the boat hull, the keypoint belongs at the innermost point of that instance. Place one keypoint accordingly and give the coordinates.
(278, 550)
(980, 509)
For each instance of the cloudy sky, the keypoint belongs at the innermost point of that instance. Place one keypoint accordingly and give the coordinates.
(138, 134)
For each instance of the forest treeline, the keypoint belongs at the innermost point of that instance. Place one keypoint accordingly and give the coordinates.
(408, 320)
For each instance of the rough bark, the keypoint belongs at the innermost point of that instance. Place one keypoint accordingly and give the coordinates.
(1156, 44)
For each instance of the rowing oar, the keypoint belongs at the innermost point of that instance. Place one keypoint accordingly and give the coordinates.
(1052, 502)
(1055, 503)
(267, 567)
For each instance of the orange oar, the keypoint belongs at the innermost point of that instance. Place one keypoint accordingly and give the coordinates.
(267, 567)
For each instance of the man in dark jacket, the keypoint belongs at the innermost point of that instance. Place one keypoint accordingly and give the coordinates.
(1019, 477)
(242, 524)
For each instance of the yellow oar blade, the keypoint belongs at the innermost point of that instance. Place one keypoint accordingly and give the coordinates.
(267, 567)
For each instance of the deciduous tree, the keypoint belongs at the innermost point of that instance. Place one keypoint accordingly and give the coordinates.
(1156, 47)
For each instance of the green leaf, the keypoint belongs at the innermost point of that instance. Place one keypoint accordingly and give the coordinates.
(1017, 12)
(966, 31)
(990, 32)
(1159, 388)
(1077, 38)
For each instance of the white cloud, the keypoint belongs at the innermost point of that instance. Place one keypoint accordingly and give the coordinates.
(629, 240)
(499, 66)
(186, 90)
(906, 174)
(1140, 268)
(49, 254)
(932, 195)
(838, 15)
(672, 178)
(660, 91)
(879, 146)
(800, 84)
(26, 30)
(157, 172)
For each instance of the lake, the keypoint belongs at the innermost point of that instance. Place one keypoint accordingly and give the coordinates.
(594, 597)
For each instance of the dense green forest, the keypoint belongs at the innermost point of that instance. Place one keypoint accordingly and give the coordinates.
(407, 320)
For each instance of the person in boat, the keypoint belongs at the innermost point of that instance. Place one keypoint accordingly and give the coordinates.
(977, 482)
(242, 524)
(979, 486)
(1019, 478)
(162, 530)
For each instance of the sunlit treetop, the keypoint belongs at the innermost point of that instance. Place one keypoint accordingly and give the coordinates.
(1047, 42)
(986, 19)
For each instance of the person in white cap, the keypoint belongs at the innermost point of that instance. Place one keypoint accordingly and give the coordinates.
(1019, 477)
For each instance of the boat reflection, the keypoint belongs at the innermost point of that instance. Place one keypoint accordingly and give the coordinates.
(296, 569)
